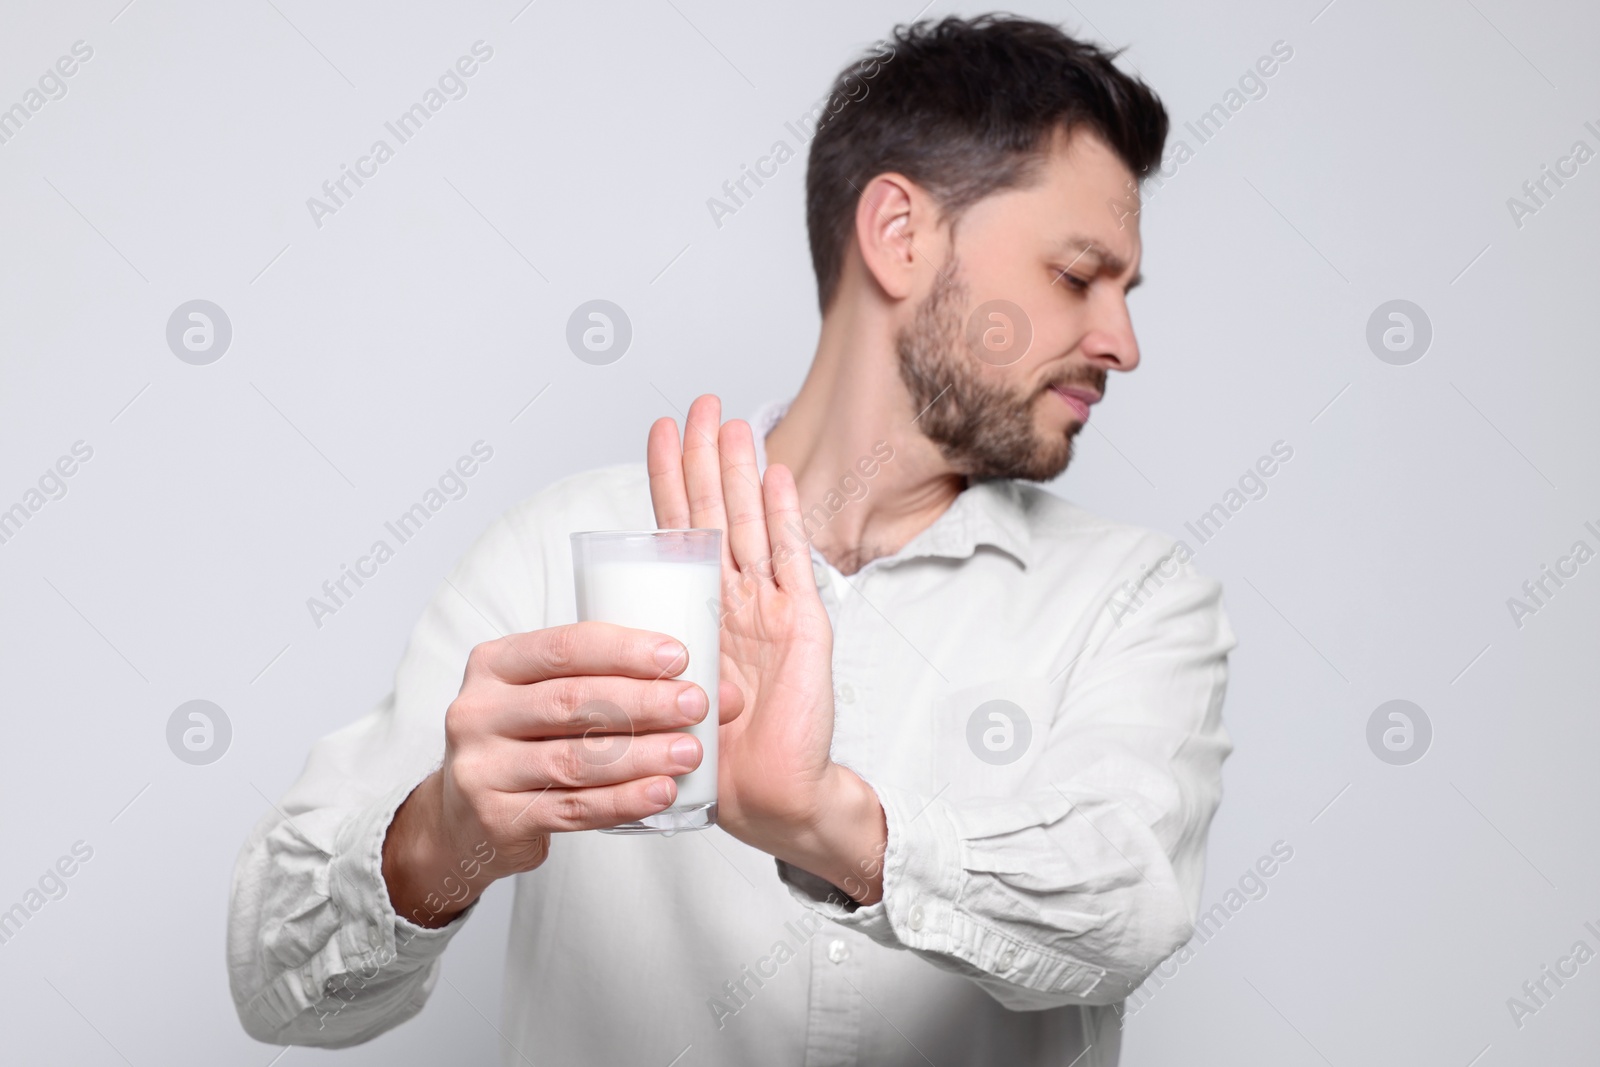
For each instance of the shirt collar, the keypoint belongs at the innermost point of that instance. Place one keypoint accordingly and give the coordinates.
(993, 512)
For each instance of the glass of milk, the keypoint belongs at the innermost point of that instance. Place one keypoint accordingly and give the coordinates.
(668, 581)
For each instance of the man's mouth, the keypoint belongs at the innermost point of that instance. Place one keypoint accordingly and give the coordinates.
(1077, 399)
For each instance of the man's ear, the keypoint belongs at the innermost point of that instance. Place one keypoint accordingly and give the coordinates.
(892, 213)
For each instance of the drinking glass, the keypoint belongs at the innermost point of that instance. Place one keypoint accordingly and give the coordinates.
(668, 581)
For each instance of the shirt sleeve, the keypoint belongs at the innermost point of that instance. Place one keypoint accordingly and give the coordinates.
(1073, 889)
(316, 953)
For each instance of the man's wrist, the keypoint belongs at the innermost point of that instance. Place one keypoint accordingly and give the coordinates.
(429, 883)
(846, 844)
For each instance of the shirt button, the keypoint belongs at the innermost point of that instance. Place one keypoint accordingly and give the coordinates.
(914, 919)
(847, 693)
(838, 951)
(1008, 957)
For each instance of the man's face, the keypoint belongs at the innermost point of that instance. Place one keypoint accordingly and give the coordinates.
(993, 380)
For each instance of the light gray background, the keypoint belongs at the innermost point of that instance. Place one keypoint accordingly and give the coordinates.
(370, 353)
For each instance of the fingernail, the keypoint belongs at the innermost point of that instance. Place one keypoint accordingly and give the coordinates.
(692, 703)
(685, 751)
(659, 792)
(668, 655)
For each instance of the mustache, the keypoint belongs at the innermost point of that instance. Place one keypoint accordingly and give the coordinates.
(1093, 378)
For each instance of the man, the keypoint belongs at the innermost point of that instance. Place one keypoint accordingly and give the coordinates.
(971, 739)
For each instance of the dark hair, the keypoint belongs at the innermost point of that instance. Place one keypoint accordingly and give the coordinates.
(965, 108)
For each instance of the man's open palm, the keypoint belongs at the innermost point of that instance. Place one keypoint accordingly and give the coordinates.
(777, 642)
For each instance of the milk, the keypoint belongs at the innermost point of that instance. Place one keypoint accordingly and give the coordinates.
(681, 600)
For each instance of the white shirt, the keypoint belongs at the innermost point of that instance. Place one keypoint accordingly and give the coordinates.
(1023, 900)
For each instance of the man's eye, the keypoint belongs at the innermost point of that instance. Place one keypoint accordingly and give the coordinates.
(1072, 281)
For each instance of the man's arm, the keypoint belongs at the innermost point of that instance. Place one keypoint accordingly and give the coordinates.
(317, 954)
(351, 887)
(1074, 889)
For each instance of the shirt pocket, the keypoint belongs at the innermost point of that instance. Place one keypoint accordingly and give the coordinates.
(987, 737)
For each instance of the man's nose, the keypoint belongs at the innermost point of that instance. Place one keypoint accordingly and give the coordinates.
(1110, 342)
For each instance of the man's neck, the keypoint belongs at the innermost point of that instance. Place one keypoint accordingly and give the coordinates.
(852, 412)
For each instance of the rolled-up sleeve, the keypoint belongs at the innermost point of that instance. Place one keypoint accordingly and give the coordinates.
(316, 953)
(1072, 889)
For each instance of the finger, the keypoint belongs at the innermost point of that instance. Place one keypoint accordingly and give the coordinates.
(665, 463)
(702, 473)
(730, 702)
(562, 810)
(592, 704)
(791, 554)
(580, 648)
(587, 762)
(741, 493)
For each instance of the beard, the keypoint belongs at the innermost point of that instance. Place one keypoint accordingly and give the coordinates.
(983, 429)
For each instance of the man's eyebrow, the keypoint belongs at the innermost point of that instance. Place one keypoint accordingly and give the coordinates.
(1083, 248)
